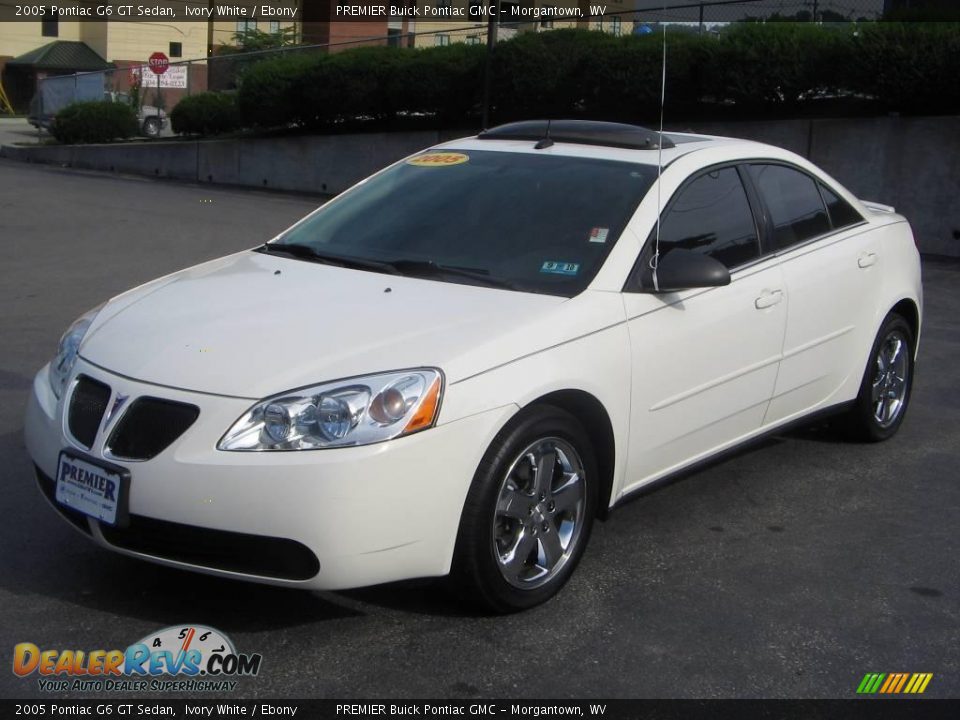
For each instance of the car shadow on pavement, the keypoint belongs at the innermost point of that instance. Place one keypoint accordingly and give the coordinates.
(426, 596)
(44, 556)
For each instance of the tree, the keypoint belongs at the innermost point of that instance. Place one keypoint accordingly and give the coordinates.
(252, 40)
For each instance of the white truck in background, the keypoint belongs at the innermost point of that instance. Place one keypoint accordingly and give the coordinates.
(55, 93)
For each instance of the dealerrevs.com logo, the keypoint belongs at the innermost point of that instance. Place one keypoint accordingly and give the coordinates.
(178, 658)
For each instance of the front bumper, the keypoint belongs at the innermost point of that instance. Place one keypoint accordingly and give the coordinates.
(367, 515)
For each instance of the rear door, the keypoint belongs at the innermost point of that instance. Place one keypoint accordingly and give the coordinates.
(704, 361)
(830, 263)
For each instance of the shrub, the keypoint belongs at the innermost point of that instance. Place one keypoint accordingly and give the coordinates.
(540, 74)
(370, 83)
(772, 64)
(271, 91)
(446, 82)
(909, 67)
(94, 122)
(208, 113)
(625, 77)
(749, 69)
(357, 83)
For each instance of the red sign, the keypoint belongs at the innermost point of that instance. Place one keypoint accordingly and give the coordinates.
(159, 63)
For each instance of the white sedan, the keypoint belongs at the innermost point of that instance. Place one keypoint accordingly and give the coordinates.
(455, 366)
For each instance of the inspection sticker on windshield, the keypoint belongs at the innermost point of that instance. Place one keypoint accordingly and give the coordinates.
(599, 235)
(438, 159)
(560, 268)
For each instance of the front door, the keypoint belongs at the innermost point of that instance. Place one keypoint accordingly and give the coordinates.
(704, 361)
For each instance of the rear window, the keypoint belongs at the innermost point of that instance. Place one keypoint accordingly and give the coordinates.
(796, 208)
(544, 223)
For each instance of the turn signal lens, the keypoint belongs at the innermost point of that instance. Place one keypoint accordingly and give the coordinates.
(427, 412)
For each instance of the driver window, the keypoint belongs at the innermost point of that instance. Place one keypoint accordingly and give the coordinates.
(711, 215)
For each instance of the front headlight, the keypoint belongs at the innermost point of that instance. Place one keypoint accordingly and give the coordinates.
(62, 364)
(358, 411)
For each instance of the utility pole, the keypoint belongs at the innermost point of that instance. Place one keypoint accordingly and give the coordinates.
(492, 22)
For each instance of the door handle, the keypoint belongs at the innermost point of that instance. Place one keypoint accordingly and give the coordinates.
(866, 259)
(769, 298)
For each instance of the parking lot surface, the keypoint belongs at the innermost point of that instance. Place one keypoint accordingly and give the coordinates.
(790, 569)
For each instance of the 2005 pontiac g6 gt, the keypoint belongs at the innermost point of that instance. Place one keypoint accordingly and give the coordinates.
(456, 365)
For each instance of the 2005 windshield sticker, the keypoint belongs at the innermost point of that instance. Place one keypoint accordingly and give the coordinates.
(560, 268)
(180, 658)
(438, 159)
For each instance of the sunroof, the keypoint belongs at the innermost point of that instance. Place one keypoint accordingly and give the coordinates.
(584, 132)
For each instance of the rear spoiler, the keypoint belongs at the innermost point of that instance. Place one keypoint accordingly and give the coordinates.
(878, 207)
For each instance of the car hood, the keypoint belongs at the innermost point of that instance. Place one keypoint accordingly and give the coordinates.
(251, 325)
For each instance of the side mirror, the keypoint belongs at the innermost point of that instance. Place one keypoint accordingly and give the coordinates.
(684, 270)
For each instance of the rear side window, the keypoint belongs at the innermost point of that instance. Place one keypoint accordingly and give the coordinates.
(711, 215)
(796, 209)
(841, 212)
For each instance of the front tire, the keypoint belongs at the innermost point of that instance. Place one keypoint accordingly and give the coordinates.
(529, 512)
(887, 383)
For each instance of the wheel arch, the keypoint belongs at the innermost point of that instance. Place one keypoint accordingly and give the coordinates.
(596, 421)
(908, 309)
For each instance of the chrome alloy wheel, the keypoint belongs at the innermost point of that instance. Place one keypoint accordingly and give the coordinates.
(540, 513)
(890, 378)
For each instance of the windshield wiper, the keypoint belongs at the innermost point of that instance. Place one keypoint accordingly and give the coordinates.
(403, 266)
(431, 268)
(308, 252)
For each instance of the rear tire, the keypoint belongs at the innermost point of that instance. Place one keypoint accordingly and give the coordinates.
(886, 387)
(528, 514)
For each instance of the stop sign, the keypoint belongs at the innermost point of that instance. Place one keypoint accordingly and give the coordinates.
(159, 63)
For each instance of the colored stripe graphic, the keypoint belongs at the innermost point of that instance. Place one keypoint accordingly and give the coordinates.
(894, 683)
(903, 680)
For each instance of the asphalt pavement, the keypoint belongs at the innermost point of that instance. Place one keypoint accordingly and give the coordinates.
(788, 570)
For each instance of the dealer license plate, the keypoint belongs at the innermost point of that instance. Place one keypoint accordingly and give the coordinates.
(91, 488)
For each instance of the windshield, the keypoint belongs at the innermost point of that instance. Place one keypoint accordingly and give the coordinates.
(536, 223)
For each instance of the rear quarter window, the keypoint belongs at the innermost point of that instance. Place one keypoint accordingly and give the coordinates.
(842, 213)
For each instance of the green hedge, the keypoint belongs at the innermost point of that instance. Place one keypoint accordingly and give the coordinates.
(94, 122)
(206, 114)
(910, 67)
(375, 83)
(756, 69)
(759, 66)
